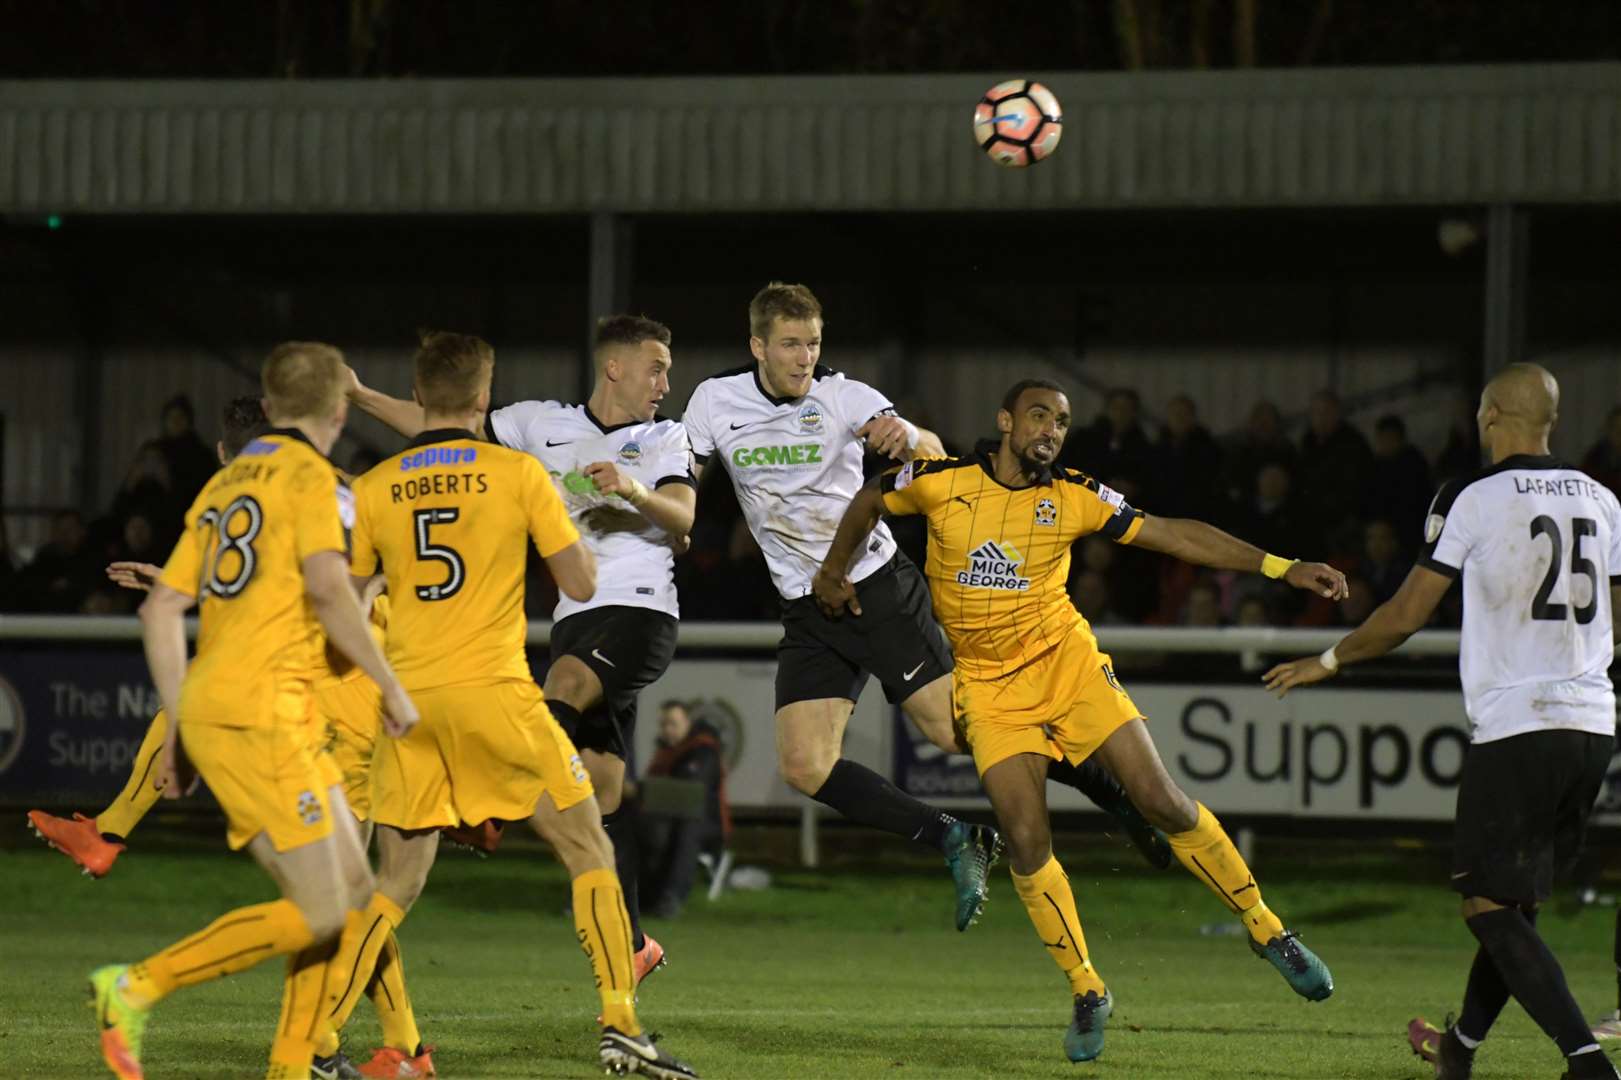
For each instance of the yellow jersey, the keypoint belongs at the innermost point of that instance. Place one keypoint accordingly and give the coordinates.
(242, 556)
(450, 518)
(998, 559)
(338, 668)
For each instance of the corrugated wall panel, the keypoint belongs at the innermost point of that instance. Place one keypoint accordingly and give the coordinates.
(1350, 137)
(42, 444)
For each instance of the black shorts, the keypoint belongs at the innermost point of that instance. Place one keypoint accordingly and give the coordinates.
(627, 648)
(894, 638)
(1523, 807)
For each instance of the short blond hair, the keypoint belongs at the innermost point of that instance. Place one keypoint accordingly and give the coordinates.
(452, 370)
(781, 301)
(302, 379)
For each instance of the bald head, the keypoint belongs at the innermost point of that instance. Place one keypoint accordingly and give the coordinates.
(1518, 409)
(1527, 393)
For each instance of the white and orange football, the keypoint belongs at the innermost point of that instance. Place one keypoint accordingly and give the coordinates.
(1018, 122)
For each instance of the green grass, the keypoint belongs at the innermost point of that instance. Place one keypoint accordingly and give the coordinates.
(853, 971)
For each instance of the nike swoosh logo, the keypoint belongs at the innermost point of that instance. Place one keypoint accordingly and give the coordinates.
(910, 675)
(751, 423)
(565, 442)
(604, 659)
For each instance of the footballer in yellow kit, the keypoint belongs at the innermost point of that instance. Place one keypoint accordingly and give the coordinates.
(1029, 677)
(247, 704)
(348, 713)
(450, 520)
(1029, 683)
(486, 746)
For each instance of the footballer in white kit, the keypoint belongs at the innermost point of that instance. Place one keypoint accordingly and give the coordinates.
(792, 435)
(1538, 545)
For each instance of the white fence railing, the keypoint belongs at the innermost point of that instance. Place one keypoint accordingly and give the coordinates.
(763, 636)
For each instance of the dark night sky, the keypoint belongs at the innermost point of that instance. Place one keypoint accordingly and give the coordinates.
(487, 38)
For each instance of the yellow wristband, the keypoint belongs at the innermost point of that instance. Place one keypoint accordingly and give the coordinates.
(1275, 566)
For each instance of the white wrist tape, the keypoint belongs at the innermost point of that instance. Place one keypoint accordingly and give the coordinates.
(1329, 660)
(912, 434)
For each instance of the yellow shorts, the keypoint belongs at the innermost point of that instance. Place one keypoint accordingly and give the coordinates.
(1065, 703)
(478, 752)
(267, 780)
(351, 716)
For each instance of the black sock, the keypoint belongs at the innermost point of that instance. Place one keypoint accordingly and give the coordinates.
(1533, 976)
(567, 717)
(868, 799)
(621, 829)
(1483, 998)
(1093, 781)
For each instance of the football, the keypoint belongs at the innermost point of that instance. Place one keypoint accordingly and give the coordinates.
(1018, 122)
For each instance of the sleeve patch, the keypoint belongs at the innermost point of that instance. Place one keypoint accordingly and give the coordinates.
(904, 477)
(1432, 528)
(346, 506)
(1112, 497)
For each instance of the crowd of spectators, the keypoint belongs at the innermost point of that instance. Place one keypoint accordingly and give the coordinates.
(141, 523)
(1331, 494)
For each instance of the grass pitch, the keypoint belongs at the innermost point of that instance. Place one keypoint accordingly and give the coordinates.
(851, 971)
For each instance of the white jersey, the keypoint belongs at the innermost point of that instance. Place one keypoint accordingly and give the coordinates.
(795, 463)
(1539, 546)
(635, 562)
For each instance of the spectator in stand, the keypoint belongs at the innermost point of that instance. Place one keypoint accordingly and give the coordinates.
(1115, 445)
(148, 491)
(1401, 490)
(1252, 611)
(1273, 519)
(1603, 461)
(1355, 608)
(1188, 481)
(1382, 566)
(1461, 455)
(1336, 465)
(1204, 604)
(191, 461)
(671, 844)
(1262, 442)
(1090, 591)
(1134, 594)
(65, 570)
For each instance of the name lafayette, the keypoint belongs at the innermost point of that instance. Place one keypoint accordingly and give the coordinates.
(1572, 487)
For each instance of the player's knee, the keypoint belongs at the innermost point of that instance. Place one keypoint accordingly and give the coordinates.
(566, 682)
(1167, 808)
(805, 767)
(804, 776)
(325, 917)
(1029, 846)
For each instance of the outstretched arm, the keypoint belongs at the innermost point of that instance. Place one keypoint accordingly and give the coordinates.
(163, 633)
(1391, 623)
(404, 417)
(832, 586)
(1205, 545)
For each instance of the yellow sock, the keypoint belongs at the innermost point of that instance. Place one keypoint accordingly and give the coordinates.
(1051, 904)
(1211, 857)
(364, 938)
(392, 1002)
(233, 942)
(305, 996)
(138, 796)
(603, 928)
